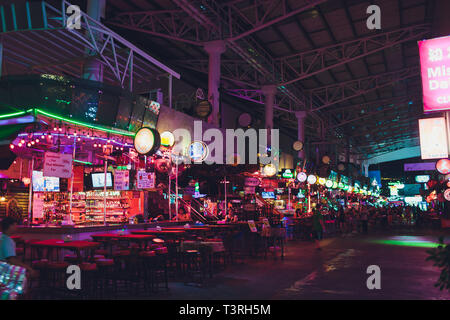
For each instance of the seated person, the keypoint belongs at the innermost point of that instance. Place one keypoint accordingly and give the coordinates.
(182, 215)
(231, 217)
(8, 246)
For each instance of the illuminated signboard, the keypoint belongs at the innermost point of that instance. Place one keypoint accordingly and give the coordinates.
(333, 176)
(433, 138)
(287, 174)
(435, 71)
(422, 178)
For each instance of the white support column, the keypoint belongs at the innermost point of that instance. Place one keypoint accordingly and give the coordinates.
(269, 92)
(365, 167)
(301, 115)
(93, 68)
(215, 50)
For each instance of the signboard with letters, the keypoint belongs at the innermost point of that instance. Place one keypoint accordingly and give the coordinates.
(146, 180)
(57, 165)
(435, 71)
(121, 180)
(433, 138)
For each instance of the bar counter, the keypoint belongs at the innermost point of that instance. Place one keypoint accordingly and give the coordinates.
(84, 232)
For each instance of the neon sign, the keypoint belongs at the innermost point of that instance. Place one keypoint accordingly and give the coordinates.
(435, 71)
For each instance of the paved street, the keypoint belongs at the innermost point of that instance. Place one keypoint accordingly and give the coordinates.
(338, 271)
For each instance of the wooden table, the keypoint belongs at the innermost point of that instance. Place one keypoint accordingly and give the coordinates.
(161, 233)
(75, 246)
(109, 238)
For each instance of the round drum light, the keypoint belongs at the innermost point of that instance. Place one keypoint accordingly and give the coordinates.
(297, 146)
(301, 176)
(198, 151)
(147, 141)
(167, 139)
(312, 179)
(270, 170)
(443, 166)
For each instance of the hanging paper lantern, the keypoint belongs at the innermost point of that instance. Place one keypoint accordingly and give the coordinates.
(163, 165)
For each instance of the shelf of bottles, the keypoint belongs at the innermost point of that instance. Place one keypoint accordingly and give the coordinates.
(87, 207)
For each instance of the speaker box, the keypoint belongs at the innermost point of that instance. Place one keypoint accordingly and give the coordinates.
(7, 157)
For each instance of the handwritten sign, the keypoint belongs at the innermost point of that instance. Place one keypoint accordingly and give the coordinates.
(146, 180)
(57, 165)
(121, 180)
(38, 205)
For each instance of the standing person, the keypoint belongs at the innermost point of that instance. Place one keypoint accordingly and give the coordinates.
(8, 246)
(364, 221)
(318, 228)
(341, 218)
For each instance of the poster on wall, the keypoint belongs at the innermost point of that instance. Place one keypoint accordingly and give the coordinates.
(57, 165)
(38, 205)
(249, 190)
(146, 180)
(121, 180)
(433, 138)
(435, 71)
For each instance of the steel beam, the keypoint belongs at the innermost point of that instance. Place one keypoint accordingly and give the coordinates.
(330, 95)
(202, 21)
(306, 64)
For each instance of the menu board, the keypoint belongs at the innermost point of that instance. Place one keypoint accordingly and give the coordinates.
(38, 205)
(121, 180)
(57, 165)
(145, 180)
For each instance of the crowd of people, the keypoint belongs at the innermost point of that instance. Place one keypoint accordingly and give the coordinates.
(351, 220)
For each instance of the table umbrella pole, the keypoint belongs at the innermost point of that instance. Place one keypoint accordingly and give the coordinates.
(30, 195)
(71, 180)
(104, 194)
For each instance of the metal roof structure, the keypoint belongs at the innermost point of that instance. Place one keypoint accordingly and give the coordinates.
(360, 87)
(36, 40)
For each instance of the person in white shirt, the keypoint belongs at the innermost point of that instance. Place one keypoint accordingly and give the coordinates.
(8, 246)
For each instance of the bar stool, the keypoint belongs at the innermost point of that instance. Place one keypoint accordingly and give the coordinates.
(190, 264)
(56, 275)
(88, 279)
(105, 275)
(147, 270)
(161, 266)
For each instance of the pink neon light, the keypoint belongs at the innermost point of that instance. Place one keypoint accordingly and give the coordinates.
(435, 70)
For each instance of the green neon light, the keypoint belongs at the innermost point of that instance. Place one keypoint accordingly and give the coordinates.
(15, 114)
(417, 244)
(83, 162)
(129, 134)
